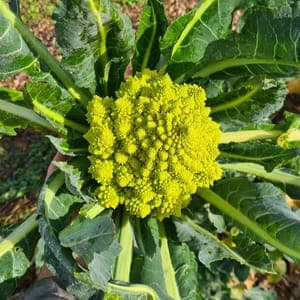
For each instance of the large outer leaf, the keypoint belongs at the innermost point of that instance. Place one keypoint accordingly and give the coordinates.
(61, 204)
(8, 121)
(149, 271)
(88, 236)
(76, 174)
(151, 260)
(186, 39)
(14, 54)
(15, 262)
(267, 44)
(248, 103)
(15, 114)
(152, 26)
(55, 104)
(210, 249)
(186, 269)
(262, 152)
(94, 35)
(261, 209)
(58, 258)
(101, 267)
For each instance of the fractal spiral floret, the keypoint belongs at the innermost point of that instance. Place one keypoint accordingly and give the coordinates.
(152, 146)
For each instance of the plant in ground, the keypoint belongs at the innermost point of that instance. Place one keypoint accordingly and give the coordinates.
(175, 178)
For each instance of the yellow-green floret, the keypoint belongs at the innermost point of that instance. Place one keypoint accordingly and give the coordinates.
(152, 146)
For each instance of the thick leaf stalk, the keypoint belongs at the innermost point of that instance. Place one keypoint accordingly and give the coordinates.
(18, 234)
(226, 208)
(43, 53)
(123, 265)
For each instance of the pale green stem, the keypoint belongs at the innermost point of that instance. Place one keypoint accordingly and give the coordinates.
(168, 270)
(25, 113)
(58, 118)
(92, 212)
(102, 42)
(150, 43)
(235, 102)
(139, 235)
(18, 234)
(106, 78)
(188, 27)
(249, 158)
(132, 289)
(249, 135)
(123, 265)
(51, 189)
(236, 215)
(258, 170)
(102, 32)
(43, 53)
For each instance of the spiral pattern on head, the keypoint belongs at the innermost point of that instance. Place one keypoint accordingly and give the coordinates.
(152, 146)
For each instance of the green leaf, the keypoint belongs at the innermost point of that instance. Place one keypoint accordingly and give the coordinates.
(186, 40)
(21, 58)
(102, 39)
(9, 122)
(13, 264)
(261, 209)
(76, 173)
(69, 146)
(59, 258)
(101, 267)
(56, 106)
(251, 102)
(7, 288)
(17, 245)
(88, 236)
(148, 269)
(287, 179)
(186, 269)
(15, 114)
(266, 44)
(262, 152)
(11, 95)
(157, 259)
(152, 26)
(210, 249)
(14, 54)
(60, 205)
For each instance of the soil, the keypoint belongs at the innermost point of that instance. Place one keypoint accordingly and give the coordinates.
(288, 288)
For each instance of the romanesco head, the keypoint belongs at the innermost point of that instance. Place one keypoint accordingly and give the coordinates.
(152, 146)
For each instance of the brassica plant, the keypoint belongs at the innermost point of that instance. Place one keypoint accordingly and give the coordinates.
(175, 176)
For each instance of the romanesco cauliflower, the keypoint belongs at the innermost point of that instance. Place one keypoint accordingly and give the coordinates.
(152, 146)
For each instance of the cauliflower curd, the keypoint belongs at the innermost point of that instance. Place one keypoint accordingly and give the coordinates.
(152, 146)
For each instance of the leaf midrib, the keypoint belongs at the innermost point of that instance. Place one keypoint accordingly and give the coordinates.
(236, 62)
(149, 48)
(238, 216)
(198, 14)
(235, 102)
